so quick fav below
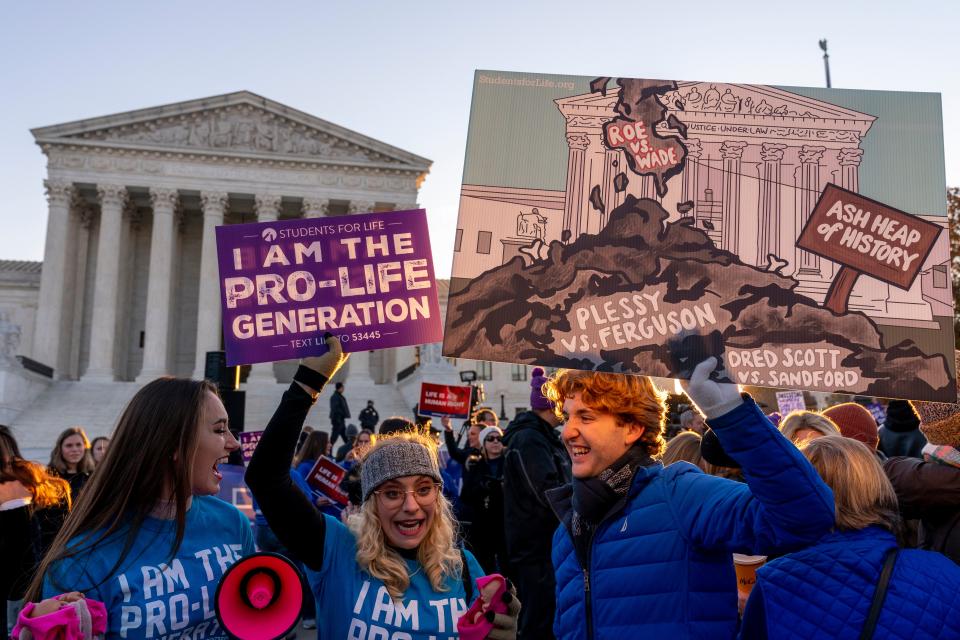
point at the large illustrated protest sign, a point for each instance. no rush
(367, 279)
(801, 228)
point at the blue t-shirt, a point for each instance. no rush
(148, 598)
(352, 605)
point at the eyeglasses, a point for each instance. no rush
(492, 439)
(425, 495)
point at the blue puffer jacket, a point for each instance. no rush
(660, 564)
(826, 591)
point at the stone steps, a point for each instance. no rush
(262, 400)
(95, 406)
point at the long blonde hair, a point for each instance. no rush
(862, 492)
(684, 446)
(797, 421)
(437, 554)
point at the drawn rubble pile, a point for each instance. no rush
(523, 311)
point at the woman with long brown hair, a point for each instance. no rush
(316, 444)
(71, 459)
(149, 538)
(395, 570)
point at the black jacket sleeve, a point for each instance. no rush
(456, 453)
(923, 487)
(18, 548)
(298, 526)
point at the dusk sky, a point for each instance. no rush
(403, 72)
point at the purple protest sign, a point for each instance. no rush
(367, 279)
(248, 443)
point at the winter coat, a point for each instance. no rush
(929, 492)
(338, 407)
(901, 443)
(481, 500)
(457, 454)
(660, 565)
(369, 418)
(535, 461)
(826, 591)
(900, 434)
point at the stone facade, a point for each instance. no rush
(129, 285)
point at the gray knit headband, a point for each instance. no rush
(395, 459)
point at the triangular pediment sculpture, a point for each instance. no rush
(240, 123)
(696, 99)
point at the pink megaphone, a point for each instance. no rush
(259, 597)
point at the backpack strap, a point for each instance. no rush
(465, 576)
(879, 595)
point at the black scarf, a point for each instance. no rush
(594, 497)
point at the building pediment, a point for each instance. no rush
(698, 101)
(241, 123)
(757, 100)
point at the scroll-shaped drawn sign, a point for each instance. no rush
(367, 279)
(866, 237)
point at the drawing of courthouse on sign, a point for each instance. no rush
(757, 160)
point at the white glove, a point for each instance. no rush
(713, 398)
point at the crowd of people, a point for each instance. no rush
(817, 524)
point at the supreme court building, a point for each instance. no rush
(129, 287)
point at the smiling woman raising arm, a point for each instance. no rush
(396, 569)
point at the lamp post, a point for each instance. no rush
(826, 60)
(503, 408)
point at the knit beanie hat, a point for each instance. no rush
(940, 421)
(901, 417)
(855, 422)
(394, 458)
(487, 431)
(537, 400)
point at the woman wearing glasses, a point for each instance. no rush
(481, 500)
(396, 571)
